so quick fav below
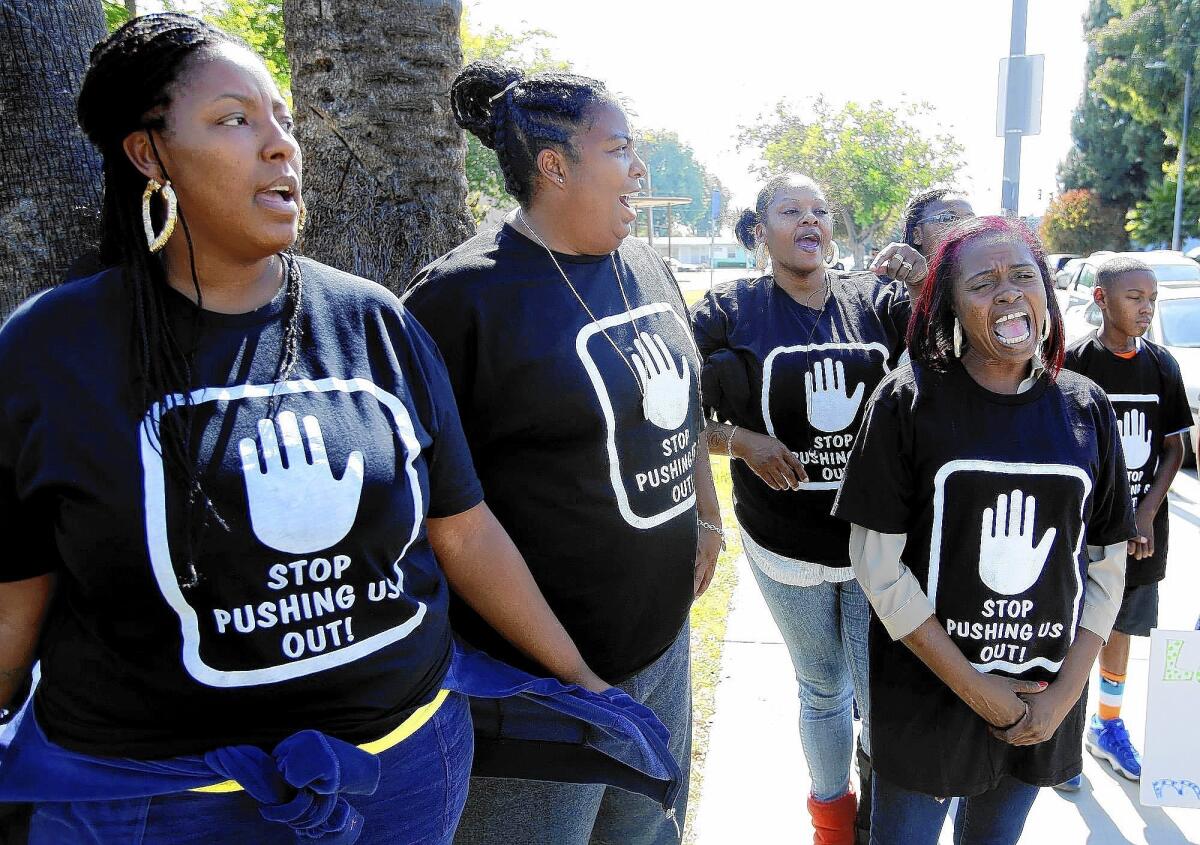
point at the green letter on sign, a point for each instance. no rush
(1170, 670)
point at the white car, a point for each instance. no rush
(1170, 268)
(678, 266)
(1176, 325)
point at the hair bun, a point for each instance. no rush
(473, 97)
(743, 229)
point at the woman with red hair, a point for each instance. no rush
(789, 359)
(989, 518)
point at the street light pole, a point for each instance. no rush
(1011, 184)
(1177, 229)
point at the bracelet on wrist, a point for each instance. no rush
(716, 529)
(729, 441)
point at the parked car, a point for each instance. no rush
(1170, 268)
(1062, 278)
(1056, 260)
(1176, 325)
(677, 266)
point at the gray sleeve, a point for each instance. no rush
(1105, 588)
(892, 589)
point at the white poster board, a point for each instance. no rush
(1171, 759)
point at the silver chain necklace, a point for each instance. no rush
(620, 285)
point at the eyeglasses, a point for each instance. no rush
(942, 217)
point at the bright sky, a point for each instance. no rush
(703, 68)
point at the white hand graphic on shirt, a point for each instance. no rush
(830, 408)
(666, 390)
(1009, 563)
(1135, 439)
(299, 508)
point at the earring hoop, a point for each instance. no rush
(155, 242)
(302, 220)
(958, 338)
(829, 255)
(1046, 328)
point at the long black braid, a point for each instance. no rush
(518, 116)
(129, 84)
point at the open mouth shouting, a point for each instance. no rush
(1013, 329)
(809, 242)
(627, 206)
(281, 195)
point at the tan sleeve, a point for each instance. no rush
(1105, 588)
(892, 589)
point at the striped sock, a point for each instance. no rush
(1112, 690)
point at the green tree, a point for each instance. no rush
(1079, 222)
(1132, 45)
(260, 24)
(116, 12)
(1152, 219)
(869, 158)
(1112, 153)
(527, 50)
(675, 171)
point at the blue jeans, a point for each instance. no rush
(825, 630)
(503, 811)
(422, 788)
(900, 816)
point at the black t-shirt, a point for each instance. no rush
(599, 498)
(320, 606)
(1000, 496)
(1147, 395)
(802, 375)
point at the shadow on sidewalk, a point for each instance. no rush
(1159, 829)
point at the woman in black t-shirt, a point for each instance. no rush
(241, 489)
(577, 379)
(789, 359)
(990, 513)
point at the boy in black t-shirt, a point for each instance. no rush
(1145, 386)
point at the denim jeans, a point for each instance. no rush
(503, 811)
(422, 788)
(825, 630)
(900, 816)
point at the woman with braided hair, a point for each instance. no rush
(789, 359)
(233, 468)
(569, 351)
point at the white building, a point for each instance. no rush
(721, 251)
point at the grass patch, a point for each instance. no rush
(708, 637)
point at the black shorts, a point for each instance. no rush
(1139, 611)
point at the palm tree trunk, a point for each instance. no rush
(384, 180)
(50, 178)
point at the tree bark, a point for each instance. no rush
(131, 7)
(50, 176)
(384, 180)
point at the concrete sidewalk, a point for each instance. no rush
(756, 780)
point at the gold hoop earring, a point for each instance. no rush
(958, 338)
(829, 255)
(302, 220)
(1046, 328)
(153, 241)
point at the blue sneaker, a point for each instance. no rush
(1071, 785)
(1108, 740)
